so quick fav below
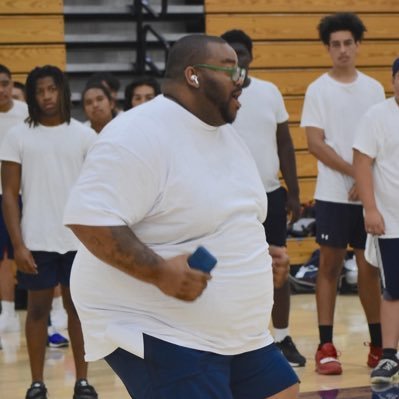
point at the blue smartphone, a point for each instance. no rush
(202, 259)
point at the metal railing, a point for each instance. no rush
(141, 10)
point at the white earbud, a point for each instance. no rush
(194, 78)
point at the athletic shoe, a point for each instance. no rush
(83, 390)
(57, 340)
(327, 360)
(386, 372)
(291, 353)
(36, 391)
(385, 391)
(9, 323)
(374, 355)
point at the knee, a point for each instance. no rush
(38, 312)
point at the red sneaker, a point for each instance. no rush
(327, 360)
(374, 356)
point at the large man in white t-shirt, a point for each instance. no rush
(42, 158)
(262, 122)
(376, 164)
(333, 106)
(163, 179)
(12, 112)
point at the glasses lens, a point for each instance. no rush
(239, 75)
(235, 74)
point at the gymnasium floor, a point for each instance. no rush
(350, 335)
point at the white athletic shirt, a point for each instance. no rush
(377, 136)
(336, 108)
(17, 114)
(51, 159)
(262, 109)
(177, 183)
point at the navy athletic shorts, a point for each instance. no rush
(339, 225)
(170, 371)
(276, 221)
(53, 269)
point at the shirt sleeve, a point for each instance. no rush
(311, 112)
(366, 135)
(10, 147)
(116, 187)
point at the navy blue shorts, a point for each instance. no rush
(53, 268)
(339, 225)
(388, 252)
(276, 221)
(170, 371)
(5, 241)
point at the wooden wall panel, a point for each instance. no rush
(294, 26)
(299, 6)
(312, 54)
(21, 59)
(31, 7)
(299, 249)
(28, 29)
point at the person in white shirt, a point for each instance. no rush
(376, 165)
(42, 159)
(12, 112)
(333, 105)
(163, 179)
(262, 122)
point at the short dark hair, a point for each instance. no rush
(105, 90)
(238, 36)
(62, 84)
(189, 50)
(5, 70)
(338, 22)
(143, 81)
(111, 80)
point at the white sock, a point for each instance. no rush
(8, 308)
(281, 333)
(57, 303)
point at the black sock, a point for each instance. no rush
(375, 334)
(325, 333)
(389, 353)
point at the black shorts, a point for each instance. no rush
(276, 221)
(339, 225)
(388, 252)
(53, 269)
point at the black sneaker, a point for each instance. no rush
(289, 350)
(386, 372)
(83, 390)
(36, 391)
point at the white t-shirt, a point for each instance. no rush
(377, 136)
(51, 159)
(262, 109)
(17, 114)
(177, 183)
(336, 108)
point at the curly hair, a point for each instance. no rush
(338, 22)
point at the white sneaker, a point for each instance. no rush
(9, 323)
(59, 319)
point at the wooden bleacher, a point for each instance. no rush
(288, 53)
(31, 34)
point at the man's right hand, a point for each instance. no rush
(24, 260)
(178, 280)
